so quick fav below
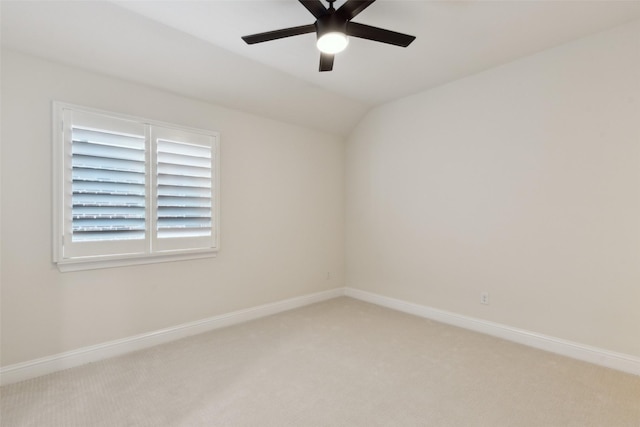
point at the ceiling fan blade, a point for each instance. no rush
(316, 7)
(351, 8)
(378, 34)
(279, 34)
(326, 61)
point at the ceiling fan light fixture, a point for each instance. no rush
(332, 27)
(332, 42)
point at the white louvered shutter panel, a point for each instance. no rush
(185, 193)
(105, 185)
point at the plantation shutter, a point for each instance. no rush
(105, 185)
(131, 191)
(184, 190)
(108, 201)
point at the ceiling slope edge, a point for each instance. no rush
(122, 44)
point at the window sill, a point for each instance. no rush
(102, 262)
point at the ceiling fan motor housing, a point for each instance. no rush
(330, 23)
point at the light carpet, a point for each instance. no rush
(341, 362)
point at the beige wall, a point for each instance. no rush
(523, 181)
(282, 215)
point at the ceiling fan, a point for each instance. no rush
(332, 28)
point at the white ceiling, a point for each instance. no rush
(194, 47)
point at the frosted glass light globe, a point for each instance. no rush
(332, 42)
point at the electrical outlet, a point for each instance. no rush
(484, 298)
(328, 275)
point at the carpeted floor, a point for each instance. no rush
(338, 363)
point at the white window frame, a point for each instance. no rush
(147, 250)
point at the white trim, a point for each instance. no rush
(89, 263)
(46, 365)
(597, 356)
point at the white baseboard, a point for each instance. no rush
(597, 356)
(46, 365)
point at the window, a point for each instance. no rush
(129, 190)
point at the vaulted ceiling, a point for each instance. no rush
(194, 47)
